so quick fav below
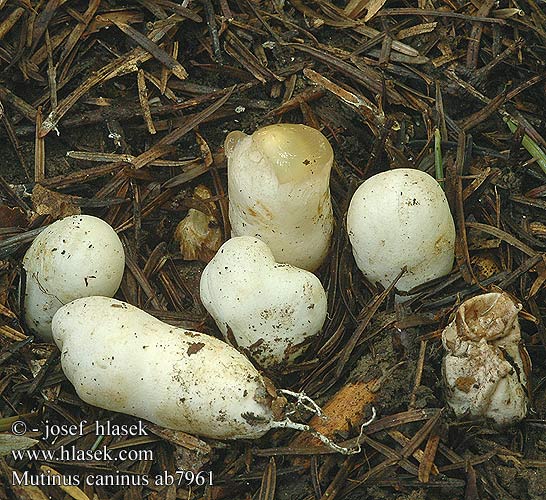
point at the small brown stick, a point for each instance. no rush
(175, 287)
(127, 158)
(51, 73)
(42, 21)
(394, 457)
(290, 86)
(426, 467)
(368, 109)
(10, 193)
(57, 39)
(385, 52)
(309, 12)
(503, 235)
(212, 162)
(476, 118)
(377, 36)
(418, 29)
(10, 245)
(144, 284)
(39, 150)
(418, 372)
(269, 481)
(380, 144)
(166, 72)
(237, 49)
(309, 117)
(403, 440)
(10, 20)
(421, 435)
(67, 180)
(118, 187)
(28, 111)
(335, 488)
(179, 9)
(144, 103)
(155, 50)
(476, 35)
(461, 246)
(265, 24)
(440, 110)
(213, 30)
(137, 216)
(308, 95)
(13, 139)
(478, 181)
(479, 75)
(77, 32)
(405, 11)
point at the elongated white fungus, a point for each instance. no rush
(397, 219)
(484, 368)
(123, 359)
(278, 184)
(75, 257)
(271, 309)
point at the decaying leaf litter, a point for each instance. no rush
(120, 110)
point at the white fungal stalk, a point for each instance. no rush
(278, 184)
(270, 309)
(484, 368)
(398, 219)
(75, 257)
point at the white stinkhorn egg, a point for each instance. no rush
(401, 218)
(78, 256)
(270, 309)
(485, 364)
(278, 185)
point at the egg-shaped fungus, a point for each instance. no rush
(401, 218)
(74, 257)
(271, 309)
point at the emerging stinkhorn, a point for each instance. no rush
(485, 368)
(278, 185)
(121, 358)
(398, 219)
